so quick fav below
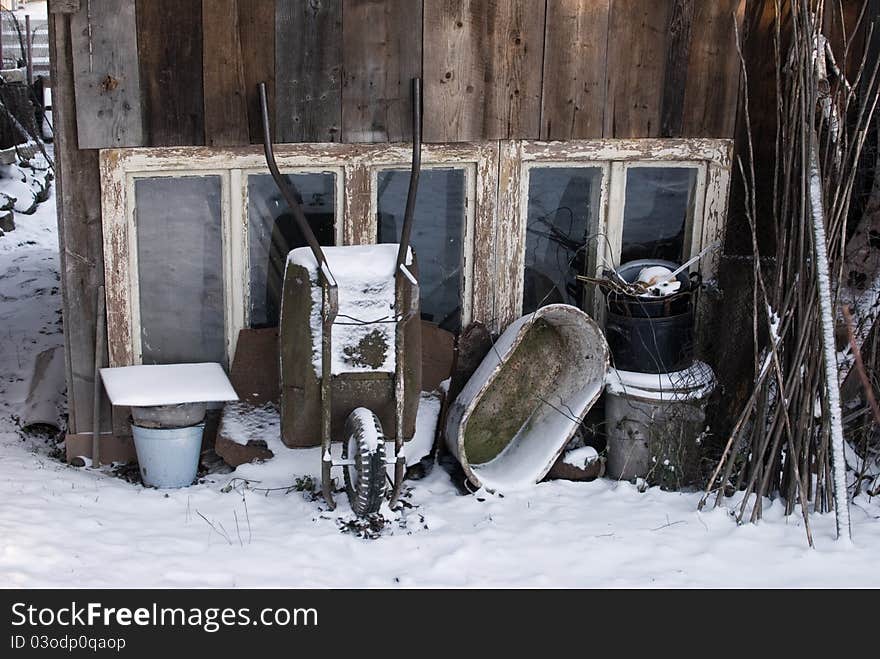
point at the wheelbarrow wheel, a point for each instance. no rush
(365, 444)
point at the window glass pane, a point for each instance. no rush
(180, 269)
(659, 202)
(272, 233)
(437, 236)
(563, 213)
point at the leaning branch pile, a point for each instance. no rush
(787, 441)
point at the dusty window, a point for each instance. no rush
(196, 238)
(272, 233)
(563, 213)
(438, 235)
(180, 269)
(658, 209)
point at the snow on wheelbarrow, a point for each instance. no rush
(527, 398)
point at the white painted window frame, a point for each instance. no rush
(355, 166)
(466, 283)
(497, 201)
(710, 157)
(240, 251)
(133, 267)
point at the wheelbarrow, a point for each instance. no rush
(351, 347)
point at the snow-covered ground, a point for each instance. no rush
(67, 526)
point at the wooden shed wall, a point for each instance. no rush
(185, 72)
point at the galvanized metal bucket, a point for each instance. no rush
(168, 457)
(654, 421)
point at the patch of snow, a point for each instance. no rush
(581, 457)
(242, 423)
(167, 384)
(692, 383)
(426, 429)
(774, 322)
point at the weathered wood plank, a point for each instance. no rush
(226, 116)
(637, 43)
(487, 226)
(482, 69)
(575, 51)
(64, 6)
(256, 24)
(106, 77)
(681, 22)
(170, 48)
(359, 222)
(308, 70)
(711, 95)
(509, 241)
(382, 51)
(79, 233)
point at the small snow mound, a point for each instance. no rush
(581, 457)
(243, 423)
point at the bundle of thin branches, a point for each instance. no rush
(787, 441)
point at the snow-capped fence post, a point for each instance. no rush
(829, 351)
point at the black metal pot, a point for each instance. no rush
(651, 345)
(648, 334)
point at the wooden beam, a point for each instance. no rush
(482, 69)
(225, 96)
(575, 51)
(79, 233)
(106, 76)
(170, 49)
(308, 71)
(382, 51)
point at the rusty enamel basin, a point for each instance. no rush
(527, 398)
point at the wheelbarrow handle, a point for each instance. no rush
(287, 188)
(416, 167)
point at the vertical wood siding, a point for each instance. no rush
(483, 68)
(225, 95)
(103, 36)
(636, 68)
(339, 70)
(170, 51)
(575, 51)
(378, 64)
(308, 70)
(256, 24)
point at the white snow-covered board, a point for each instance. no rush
(167, 384)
